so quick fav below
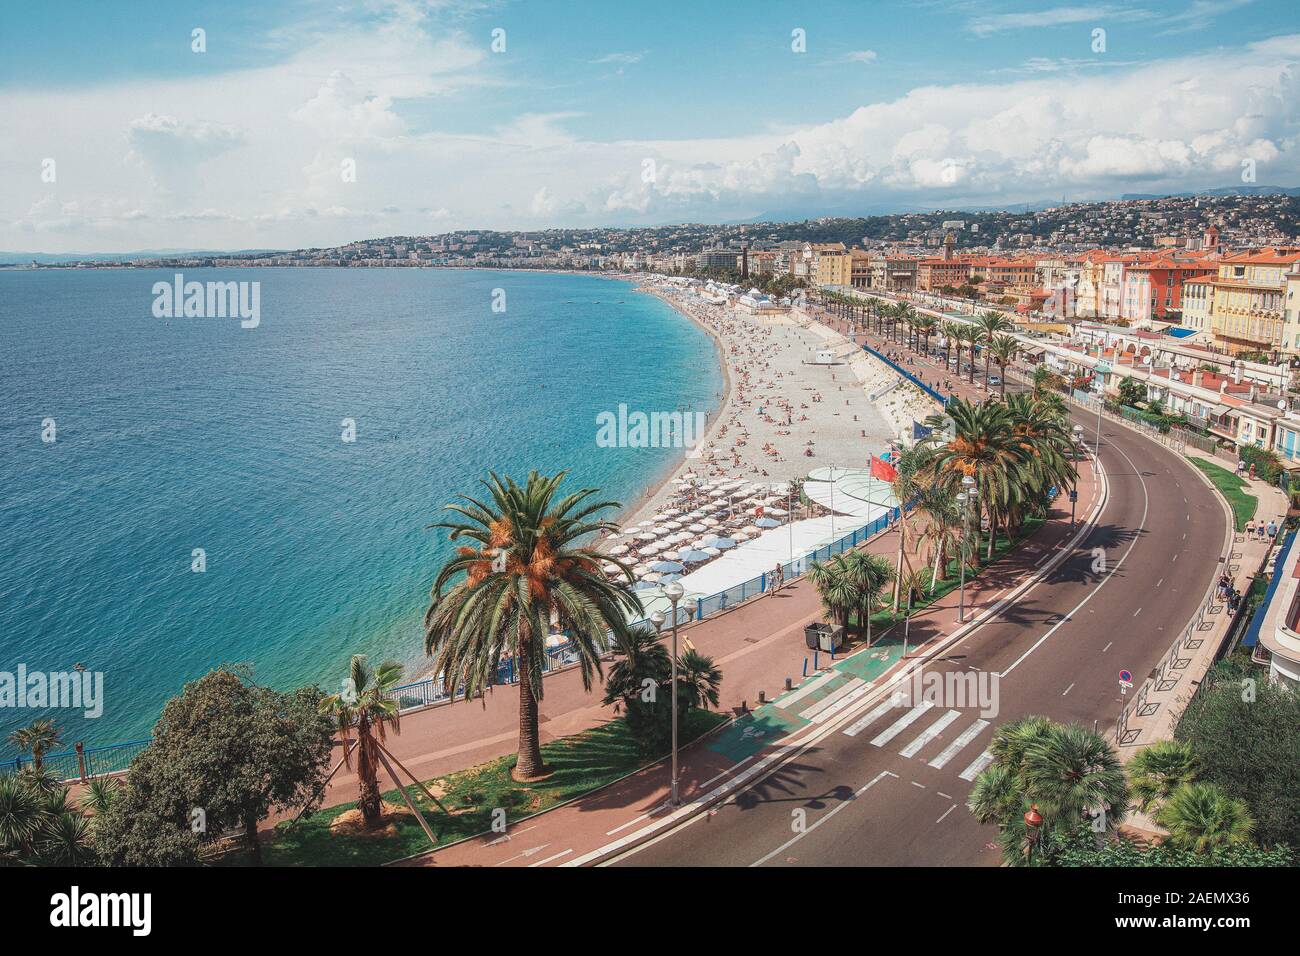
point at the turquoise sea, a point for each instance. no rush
(185, 433)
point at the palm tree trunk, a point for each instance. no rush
(529, 765)
(367, 775)
(1004, 380)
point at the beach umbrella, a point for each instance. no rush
(692, 556)
(724, 543)
(672, 525)
(711, 551)
(643, 586)
(779, 512)
(698, 527)
(646, 536)
(767, 523)
(741, 535)
(668, 567)
(556, 640)
(752, 530)
(667, 555)
(665, 579)
(618, 549)
(650, 576)
(653, 548)
(718, 493)
(711, 522)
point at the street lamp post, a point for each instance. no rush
(1074, 492)
(964, 498)
(1033, 820)
(674, 591)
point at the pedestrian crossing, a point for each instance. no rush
(919, 741)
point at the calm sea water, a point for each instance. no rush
(179, 434)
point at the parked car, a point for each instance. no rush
(995, 379)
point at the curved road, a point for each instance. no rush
(889, 787)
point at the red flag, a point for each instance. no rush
(882, 469)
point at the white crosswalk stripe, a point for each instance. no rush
(898, 726)
(956, 747)
(982, 761)
(860, 690)
(934, 730)
(863, 723)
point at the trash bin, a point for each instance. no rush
(823, 637)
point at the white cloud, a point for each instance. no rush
(254, 159)
(861, 56)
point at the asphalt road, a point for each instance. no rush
(894, 792)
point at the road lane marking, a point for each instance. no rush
(956, 747)
(1067, 690)
(934, 730)
(946, 812)
(858, 726)
(898, 726)
(946, 796)
(550, 859)
(1107, 647)
(982, 761)
(1137, 612)
(824, 817)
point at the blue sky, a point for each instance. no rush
(893, 105)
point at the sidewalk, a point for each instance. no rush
(568, 833)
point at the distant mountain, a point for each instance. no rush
(1222, 191)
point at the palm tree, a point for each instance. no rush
(1155, 772)
(1073, 772)
(698, 681)
(1004, 350)
(100, 794)
(985, 447)
(835, 587)
(988, 325)
(995, 795)
(527, 570)
(37, 738)
(20, 819)
(942, 529)
(953, 334)
(926, 325)
(366, 707)
(869, 575)
(1200, 817)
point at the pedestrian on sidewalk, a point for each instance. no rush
(1241, 465)
(1252, 471)
(1272, 529)
(1250, 529)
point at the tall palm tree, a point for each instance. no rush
(988, 325)
(985, 447)
(367, 709)
(528, 568)
(953, 334)
(995, 795)
(1155, 772)
(1004, 350)
(942, 528)
(1200, 817)
(38, 738)
(926, 326)
(868, 575)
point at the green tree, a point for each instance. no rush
(526, 570)
(225, 754)
(641, 670)
(1245, 734)
(1003, 349)
(1199, 816)
(38, 738)
(1155, 772)
(988, 326)
(366, 707)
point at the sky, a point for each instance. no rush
(309, 123)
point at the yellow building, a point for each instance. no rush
(1246, 310)
(834, 266)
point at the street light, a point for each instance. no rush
(962, 498)
(1074, 492)
(673, 592)
(1033, 820)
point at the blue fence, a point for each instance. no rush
(90, 762)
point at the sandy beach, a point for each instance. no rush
(782, 415)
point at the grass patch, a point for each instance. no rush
(579, 764)
(1232, 488)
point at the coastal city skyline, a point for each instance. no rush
(314, 124)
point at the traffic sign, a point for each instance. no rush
(1125, 682)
